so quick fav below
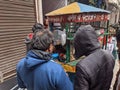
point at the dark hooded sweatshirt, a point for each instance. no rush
(95, 71)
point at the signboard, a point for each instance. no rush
(87, 17)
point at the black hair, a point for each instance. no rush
(118, 34)
(37, 27)
(45, 17)
(42, 40)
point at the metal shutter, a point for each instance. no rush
(16, 20)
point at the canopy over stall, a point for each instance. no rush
(77, 12)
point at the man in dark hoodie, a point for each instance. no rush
(37, 71)
(95, 71)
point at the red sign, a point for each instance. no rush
(79, 18)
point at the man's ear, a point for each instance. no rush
(51, 48)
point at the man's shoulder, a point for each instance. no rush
(20, 63)
(95, 59)
(54, 64)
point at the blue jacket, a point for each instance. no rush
(38, 72)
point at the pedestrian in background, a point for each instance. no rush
(46, 22)
(95, 71)
(37, 71)
(35, 28)
(117, 82)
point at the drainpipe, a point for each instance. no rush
(66, 2)
(39, 12)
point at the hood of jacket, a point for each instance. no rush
(36, 57)
(85, 41)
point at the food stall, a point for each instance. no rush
(81, 14)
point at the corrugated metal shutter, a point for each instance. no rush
(16, 20)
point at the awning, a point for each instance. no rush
(78, 12)
(75, 8)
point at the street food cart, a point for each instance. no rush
(80, 14)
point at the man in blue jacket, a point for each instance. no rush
(37, 71)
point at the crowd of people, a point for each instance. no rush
(38, 71)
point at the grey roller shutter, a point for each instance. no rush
(16, 20)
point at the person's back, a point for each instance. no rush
(98, 68)
(44, 75)
(95, 71)
(37, 71)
